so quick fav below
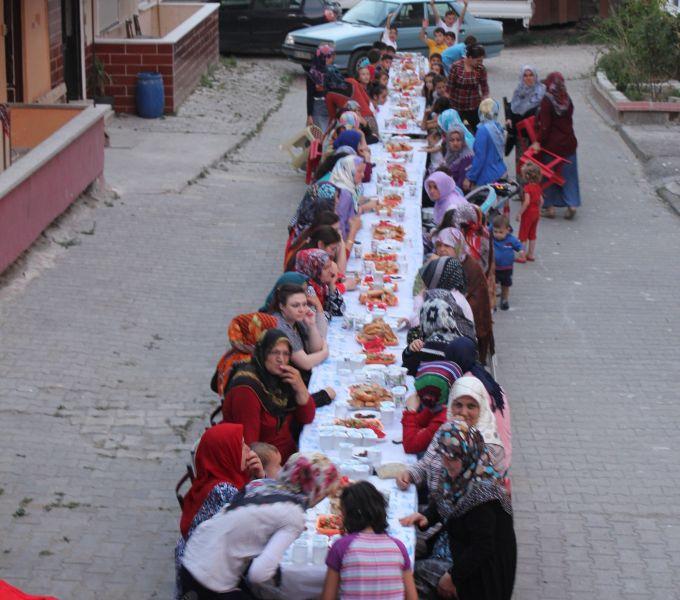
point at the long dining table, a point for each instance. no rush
(303, 567)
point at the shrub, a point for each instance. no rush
(642, 46)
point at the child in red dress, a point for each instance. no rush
(530, 211)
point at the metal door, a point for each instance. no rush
(70, 39)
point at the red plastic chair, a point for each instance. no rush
(550, 169)
(313, 160)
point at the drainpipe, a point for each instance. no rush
(94, 46)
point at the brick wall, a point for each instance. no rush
(124, 61)
(56, 56)
(193, 53)
(181, 64)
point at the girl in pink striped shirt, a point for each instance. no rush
(367, 563)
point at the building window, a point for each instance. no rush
(108, 13)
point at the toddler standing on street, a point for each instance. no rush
(530, 211)
(504, 246)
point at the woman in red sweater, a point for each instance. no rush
(426, 410)
(266, 394)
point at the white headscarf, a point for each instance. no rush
(342, 176)
(486, 424)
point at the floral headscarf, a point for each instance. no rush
(433, 383)
(349, 120)
(478, 482)
(304, 479)
(311, 262)
(317, 71)
(526, 98)
(462, 312)
(444, 273)
(243, 333)
(453, 238)
(318, 198)
(556, 92)
(438, 321)
(450, 119)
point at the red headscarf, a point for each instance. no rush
(218, 460)
(556, 92)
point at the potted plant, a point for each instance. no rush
(99, 79)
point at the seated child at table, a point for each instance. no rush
(269, 456)
(426, 409)
(367, 562)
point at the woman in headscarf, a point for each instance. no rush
(250, 536)
(242, 333)
(441, 319)
(287, 278)
(319, 197)
(446, 275)
(346, 177)
(489, 148)
(349, 138)
(444, 192)
(306, 332)
(524, 104)
(266, 394)
(322, 273)
(450, 119)
(450, 242)
(477, 516)
(224, 465)
(325, 168)
(426, 409)
(463, 352)
(470, 402)
(458, 156)
(556, 134)
(322, 237)
(316, 76)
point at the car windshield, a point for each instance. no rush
(370, 12)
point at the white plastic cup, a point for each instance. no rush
(299, 555)
(345, 450)
(387, 415)
(357, 249)
(374, 456)
(399, 395)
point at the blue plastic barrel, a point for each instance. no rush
(150, 95)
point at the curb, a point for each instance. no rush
(668, 197)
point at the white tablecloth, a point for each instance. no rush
(302, 581)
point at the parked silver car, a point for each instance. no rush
(364, 24)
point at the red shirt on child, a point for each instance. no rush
(529, 221)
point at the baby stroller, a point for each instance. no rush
(494, 198)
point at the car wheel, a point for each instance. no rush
(354, 60)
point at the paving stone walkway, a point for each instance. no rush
(105, 359)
